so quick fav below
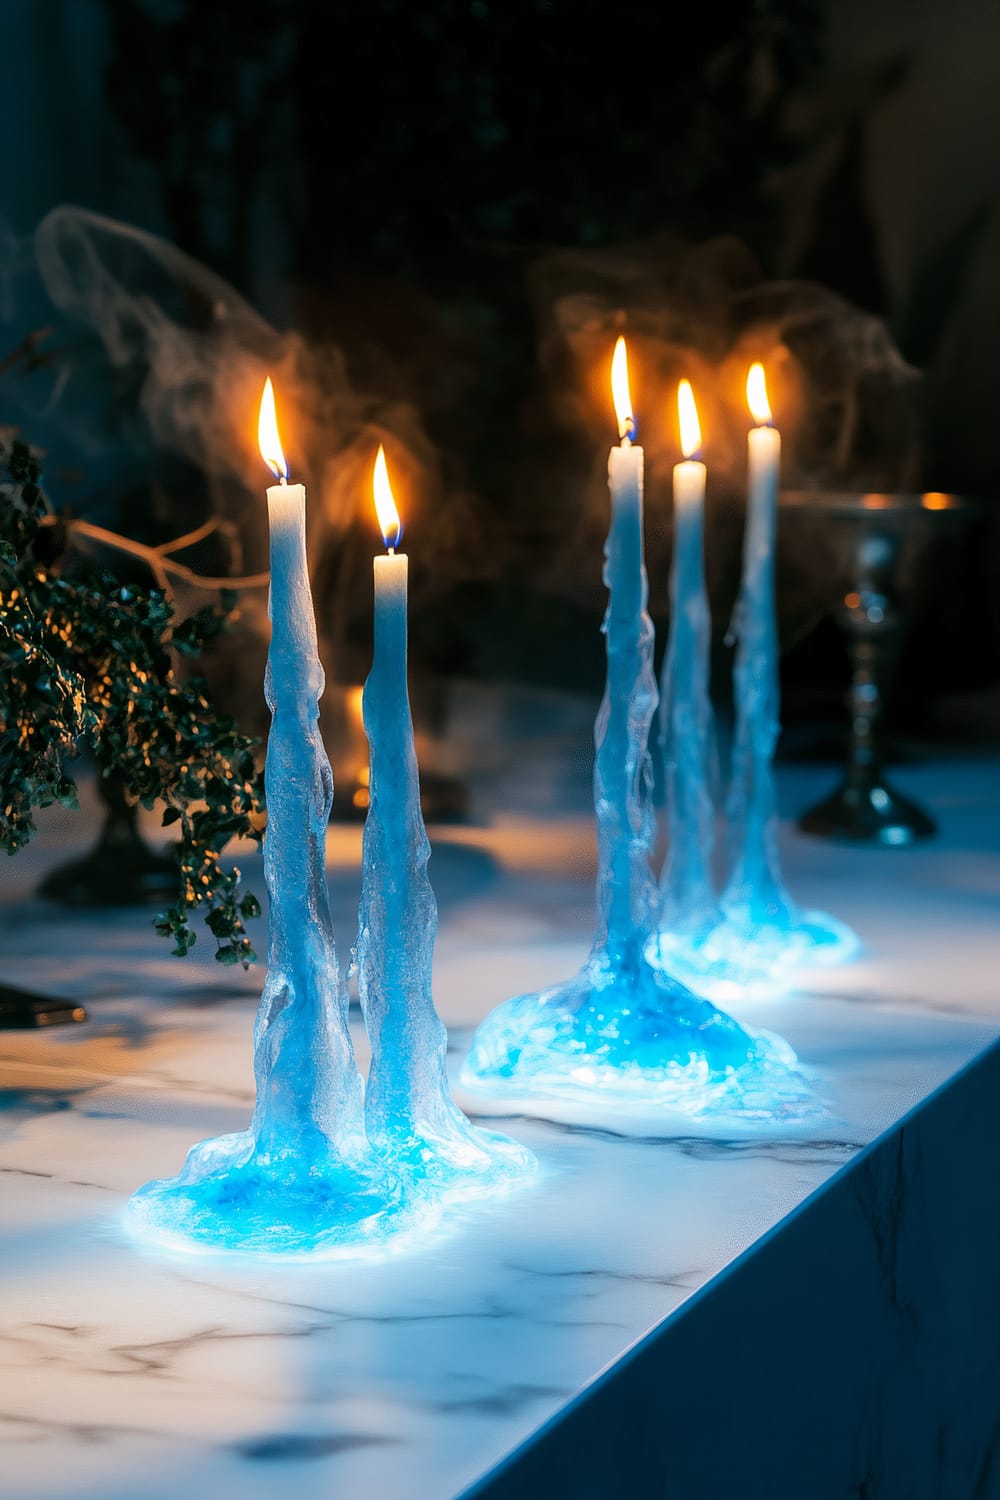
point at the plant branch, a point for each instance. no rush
(190, 537)
(159, 560)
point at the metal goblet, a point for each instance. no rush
(882, 540)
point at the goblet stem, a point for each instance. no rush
(871, 626)
(865, 807)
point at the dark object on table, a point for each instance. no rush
(443, 799)
(121, 870)
(20, 1010)
(883, 538)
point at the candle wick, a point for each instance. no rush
(282, 479)
(392, 552)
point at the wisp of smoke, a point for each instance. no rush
(175, 359)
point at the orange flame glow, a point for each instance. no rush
(385, 505)
(760, 407)
(620, 391)
(687, 414)
(267, 434)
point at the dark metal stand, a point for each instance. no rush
(121, 870)
(882, 536)
(865, 806)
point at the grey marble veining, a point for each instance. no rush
(130, 1375)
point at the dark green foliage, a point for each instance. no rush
(87, 664)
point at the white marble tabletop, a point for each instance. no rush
(126, 1374)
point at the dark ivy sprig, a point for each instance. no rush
(88, 664)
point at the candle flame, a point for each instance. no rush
(620, 391)
(687, 413)
(760, 407)
(385, 505)
(267, 434)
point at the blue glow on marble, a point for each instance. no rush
(412, 1120)
(303, 1178)
(622, 1028)
(748, 959)
(641, 1039)
(232, 1200)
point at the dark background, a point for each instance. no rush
(443, 213)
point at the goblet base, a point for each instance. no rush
(874, 813)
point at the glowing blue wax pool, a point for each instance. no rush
(623, 1028)
(411, 1117)
(762, 936)
(302, 1180)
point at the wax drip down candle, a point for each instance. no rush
(411, 1117)
(302, 1181)
(762, 937)
(624, 1032)
(689, 906)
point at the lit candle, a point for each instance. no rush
(762, 934)
(622, 771)
(623, 573)
(293, 626)
(763, 466)
(755, 884)
(391, 585)
(398, 918)
(689, 476)
(409, 1112)
(625, 1024)
(303, 1177)
(308, 1084)
(686, 718)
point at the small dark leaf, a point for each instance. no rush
(219, 922)
(66, 792)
